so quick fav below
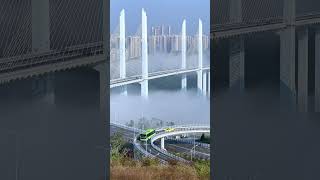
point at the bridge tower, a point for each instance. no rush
(317, 69)
(123, 49)
(236, 49)
(40, 44)
(144, 49)
(200, 62)
(183, 55)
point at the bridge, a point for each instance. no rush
(295, 23)
(144, 76)
(131, 134)
(179, 130)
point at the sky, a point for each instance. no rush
(166, 12)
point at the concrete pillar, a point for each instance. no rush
(40, 26)
(317, 69)
(162, 144)
(122, 50)
(204, 90)
(122, 45)
(209, 83)
(237, 63)
(303, 36)
(103, 91)
(287, 67)
(183, 55)
(200, 53)
(104, 102)
(50, 95)
(144, 48)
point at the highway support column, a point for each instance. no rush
(162, 144)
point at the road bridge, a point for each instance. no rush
(295, 23)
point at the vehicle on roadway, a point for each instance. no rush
(148, 134)
(169, 129)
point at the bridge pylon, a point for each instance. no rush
(122, 49)
(144, 49)
(183, 55)
(200, 61)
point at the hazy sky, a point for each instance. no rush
(167, 12)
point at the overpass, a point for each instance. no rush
(179, 130)
(153, 151)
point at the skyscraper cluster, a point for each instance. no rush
(160, 40)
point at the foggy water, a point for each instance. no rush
(166, 102)
(256, 135)
(45, 137)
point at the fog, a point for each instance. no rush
(170, 106)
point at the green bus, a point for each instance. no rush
(148, 134)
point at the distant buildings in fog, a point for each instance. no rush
(160, 40)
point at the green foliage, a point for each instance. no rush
(204, 139)
(202, 168)
(117, 143)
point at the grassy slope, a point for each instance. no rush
(123, 167)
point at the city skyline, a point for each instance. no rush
(161, 39)
(162, 12)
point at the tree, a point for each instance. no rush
(202, 138)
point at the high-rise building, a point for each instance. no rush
(134, 46)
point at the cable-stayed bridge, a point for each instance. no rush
(293, 23)
(39, 37)
(124, 71)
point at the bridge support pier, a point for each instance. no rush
(162, 144)
(287, 67)
(199, 80)
(184, 82)
(204, 90)
(209, 83)
(237, 63)
(43, 86)
(103, 92)
(302, 98)
(145, 89)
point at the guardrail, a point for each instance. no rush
(188, 141)
(182, 130)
